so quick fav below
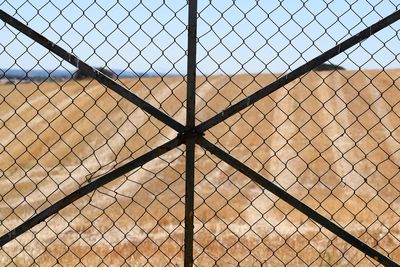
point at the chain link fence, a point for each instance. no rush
(328, 134)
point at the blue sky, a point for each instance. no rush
(234, 36)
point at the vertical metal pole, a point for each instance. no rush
(189, 203)
(191, 64)
(190, 140)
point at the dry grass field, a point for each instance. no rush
(332, 139)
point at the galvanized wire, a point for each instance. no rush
(289, 162)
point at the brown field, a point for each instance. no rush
(332, 139)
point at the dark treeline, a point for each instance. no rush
(18, 75)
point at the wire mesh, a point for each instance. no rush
(61, 130)
(330, 138)
(333, 155)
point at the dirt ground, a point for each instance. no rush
(331, 139)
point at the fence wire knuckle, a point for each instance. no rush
(199, 133)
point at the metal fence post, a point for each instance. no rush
(285, 157)
(190, 140)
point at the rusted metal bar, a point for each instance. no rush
(190, 140)
(189, 202)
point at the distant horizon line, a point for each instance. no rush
(14, 73)
(19, 73)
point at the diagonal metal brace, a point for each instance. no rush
(300, 206)
(92, 72)
(59, 205)
(189, 134)
(232, 110)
